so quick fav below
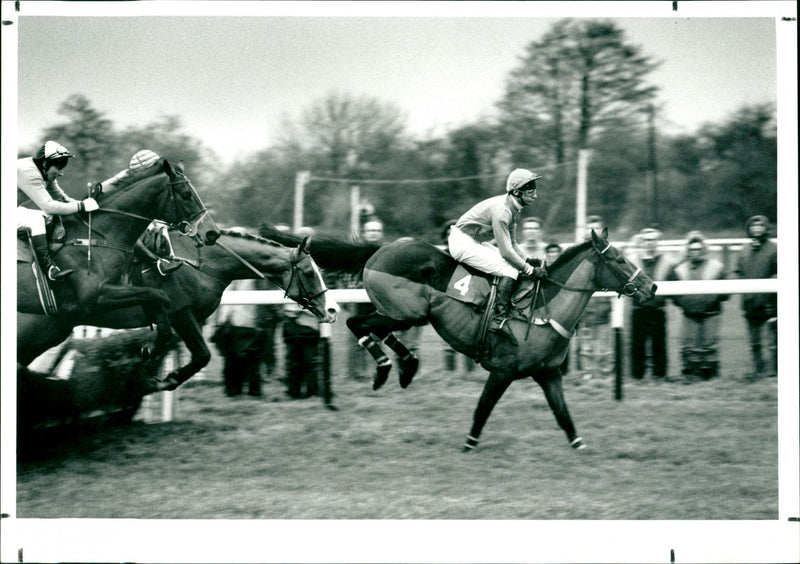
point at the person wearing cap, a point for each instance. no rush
(758, 259)
(496, 219)
(700, 311)
(649, 320)
(37, 183)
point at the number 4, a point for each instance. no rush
(462, 285)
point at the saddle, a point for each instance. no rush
(472, 286)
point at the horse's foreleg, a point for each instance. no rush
(408, 361)
(550, 381)
(190, 331)
(359, 325)
(496, 385)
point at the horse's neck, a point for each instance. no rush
(266, 258)
(567, 306)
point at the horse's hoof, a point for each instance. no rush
(470, 444)
(577, 444)
(381, 376)
(331, 407)
(408, 368)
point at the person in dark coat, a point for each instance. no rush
(649, 320)
(758, 259)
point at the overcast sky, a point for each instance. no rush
(232, 78)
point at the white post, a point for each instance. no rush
(584, 155)
(355, 210)
(300, 181)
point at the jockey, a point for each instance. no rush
(495, 219)
(37, 181)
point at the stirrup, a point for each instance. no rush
(170, 266)
(55, 274)
(498, 323)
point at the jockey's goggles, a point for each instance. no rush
(59, 162)
(528, 186)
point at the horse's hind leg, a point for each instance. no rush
(360, 327)
(496, 385)
(408, 360)
(550, 381)
(364, 327)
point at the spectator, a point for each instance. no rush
(531, 240)
(758, 259)
(302, 338)
(649, 320)
(241, 343)
(701, 320)
(551, 252)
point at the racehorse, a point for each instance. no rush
(196, 289)
(411, 283)
(99, 246)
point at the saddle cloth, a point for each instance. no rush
(472, 286)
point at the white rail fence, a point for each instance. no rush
(167, 400)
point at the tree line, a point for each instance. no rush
(581, 86)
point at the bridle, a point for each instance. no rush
(305, 296)
(628, 287)
(187, 227)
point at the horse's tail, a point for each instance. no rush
(329, 253)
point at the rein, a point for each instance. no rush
(186, 227)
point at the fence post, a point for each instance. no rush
(617, 319)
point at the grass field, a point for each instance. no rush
(668, 451)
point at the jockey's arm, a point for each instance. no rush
(506, 245)
(55, 191)
(37, 191)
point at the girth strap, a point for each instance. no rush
(97, 243)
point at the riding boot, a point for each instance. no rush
(42, 251)
(502, 304)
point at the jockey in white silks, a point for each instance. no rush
(37, 182)
(495, 219)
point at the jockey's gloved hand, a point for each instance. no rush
(534, 261)
(537, 273)
(89, 205)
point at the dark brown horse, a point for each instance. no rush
(412, 283)
(99, 247)
(195, 291)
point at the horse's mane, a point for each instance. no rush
(328, 252)
(569, 254)
(250, 237)
(565, 261)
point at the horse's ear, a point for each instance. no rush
(167, 167)
(604, 234)
(596, 241)
(304, 244)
